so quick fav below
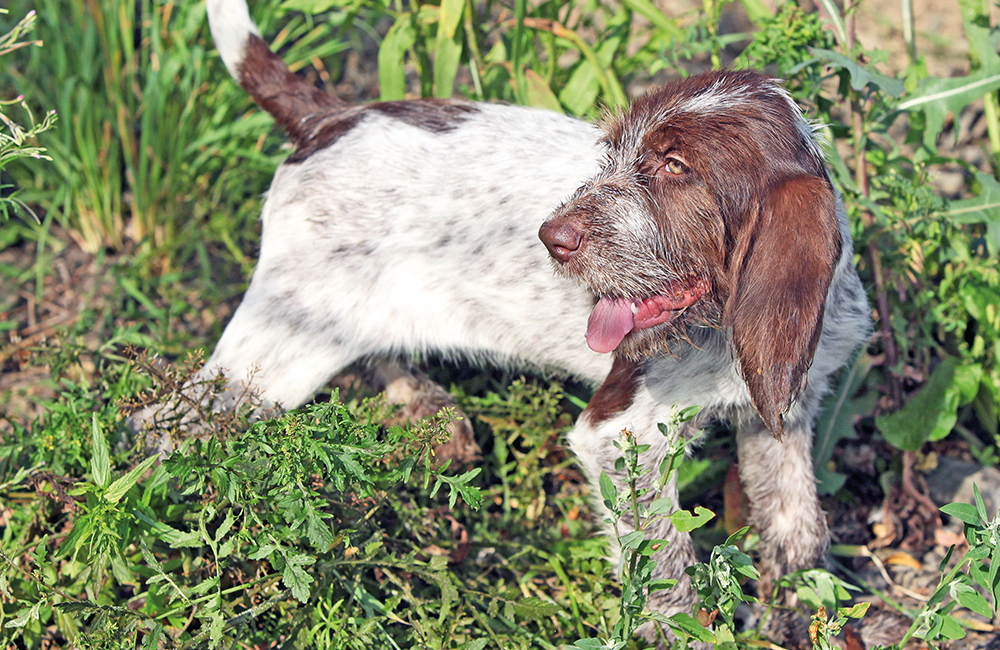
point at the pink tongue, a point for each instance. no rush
(610, 321)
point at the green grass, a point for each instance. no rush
(319, 530)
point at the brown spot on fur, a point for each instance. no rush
(434, 115)
(322, 130)
(313, 119)
(617, 392)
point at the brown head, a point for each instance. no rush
(713, 207)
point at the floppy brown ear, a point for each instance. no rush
(781, 269)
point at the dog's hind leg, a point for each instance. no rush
(281, 348)
(419, 398)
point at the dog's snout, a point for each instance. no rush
(562, 238)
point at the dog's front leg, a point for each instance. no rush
(780, 484)
(624, 403)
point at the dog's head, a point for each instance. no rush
(713, 207)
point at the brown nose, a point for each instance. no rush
(561, 238)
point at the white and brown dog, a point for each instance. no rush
(710, 252)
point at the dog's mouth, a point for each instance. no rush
(614, 318)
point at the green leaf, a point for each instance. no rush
(661, 584)
(832, 12)
(965, 512)
(205, 586)
(982, 208)
(660, 507)
(980, 506)
(688, 413)
(450, 17)
(857, 611)
(448, 49)
(159, 478)
(296, 579)
(100, 462)
(392, 57)
(449, 594)
(970, 599)
(580, 92)
(264, 551)
(861, 76)
(836, 422)
(172, 536)
(153, 636)
(24, 615)
(932, 412)
(539, 93)
(631, 540)
(458, 485)
(735, 537)
(650, 12)
(608, 490)
(937, 96)
(123, 574)
(119, 488)
(650, 546)
(689, 624)
(533, 608)
(312, 6)
(994, 584)
(951, 629)
(685, 522)
(217, 623)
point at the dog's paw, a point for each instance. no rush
(162, 427)
(420, 398)
(788, 628)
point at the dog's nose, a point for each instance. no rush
(561, 238)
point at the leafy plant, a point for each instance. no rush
(958, 586)
(716, 583)
(15, 144)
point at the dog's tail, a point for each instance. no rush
(262, 73)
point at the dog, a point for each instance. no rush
(696, 237)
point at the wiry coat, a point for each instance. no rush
(705, 210)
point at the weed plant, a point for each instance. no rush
(315, 527)
(17, 142)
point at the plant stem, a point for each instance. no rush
(712, 9)
(31, 576)
(856, 107)
(991, 109)
(908, 30)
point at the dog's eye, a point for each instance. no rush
(675, 167)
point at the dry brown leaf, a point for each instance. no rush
(948, 537)
(902, 558)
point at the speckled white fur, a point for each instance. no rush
(398, 240)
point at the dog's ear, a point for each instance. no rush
(780, 270)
